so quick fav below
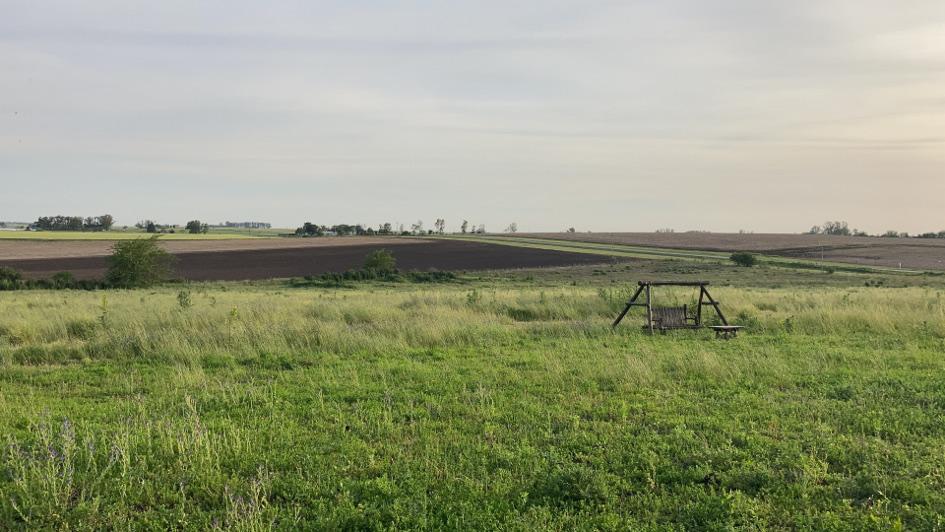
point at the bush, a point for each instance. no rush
(63, 280)
(743, 258)
(138, 263)
(339, 280)
(380, 261)
(9, 274)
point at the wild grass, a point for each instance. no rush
(468, 407)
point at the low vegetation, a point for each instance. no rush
(138, 264)
(744, 259)
(482, 405)
(379, 265)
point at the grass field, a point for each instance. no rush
(502, 402)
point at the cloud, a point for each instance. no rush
(339, 111)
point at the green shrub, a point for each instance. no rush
(380, 260)
(183, 299)
(743, 258)
(10, 279)
(63, 280)
(138, 263)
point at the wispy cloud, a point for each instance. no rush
(485, 110)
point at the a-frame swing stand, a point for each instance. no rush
(666, 318)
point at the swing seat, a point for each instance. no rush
(666, 318)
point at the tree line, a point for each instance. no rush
(841, 228)
(309, 229)
(74, 223)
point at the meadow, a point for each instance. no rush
(493, 403)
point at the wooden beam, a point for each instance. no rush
(715, 305)
(673, 283)
(630, 303)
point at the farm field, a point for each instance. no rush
(125, 235)
(502, 401)
(281, 258)
(678, 254)
(22, 249)
(912, 253)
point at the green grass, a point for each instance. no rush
(494, 404)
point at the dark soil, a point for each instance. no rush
(299, 262)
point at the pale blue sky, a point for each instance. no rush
(722, 115)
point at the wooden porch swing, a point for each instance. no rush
(668, 318)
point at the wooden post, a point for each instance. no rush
(649, 309)
(699, 306)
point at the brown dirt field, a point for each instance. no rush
(298, 261)
(913, 253)
(53, 249)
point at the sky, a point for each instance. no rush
(763, 116)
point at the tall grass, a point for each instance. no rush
(57, 326)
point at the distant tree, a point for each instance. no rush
(481, 229)
(385, 229)
(417, 228)
(106, 221)
(836, 228)
(195, 227)
(814, 230)
(310, 229)
(571, 230)
(512, 228)
(743, 258)
(440, 226)
(138, 262)
(666, 230)
(463, 227)
(151, 227)
(74, 223)
(380, 261)
(892, 233)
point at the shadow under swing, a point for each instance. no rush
(679, 317)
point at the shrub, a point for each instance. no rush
(9, 274)
(63, 280)
(183, 299)
(138, 263)
(743, 258)
(380, 261)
